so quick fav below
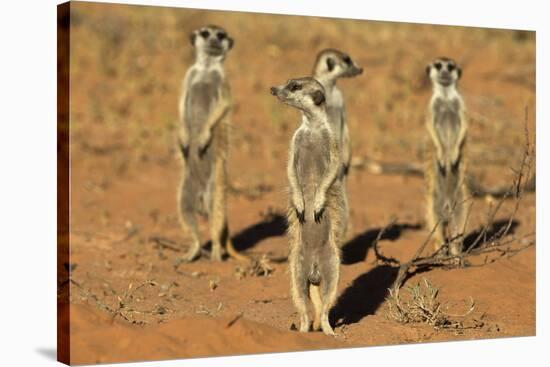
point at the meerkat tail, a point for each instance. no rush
(315, 296)
(232, 252)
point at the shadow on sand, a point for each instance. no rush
(272, 226)
(494, 230)
(363, 297)
(356, 250)
(369, 290)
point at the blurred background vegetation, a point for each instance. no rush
(127, 63)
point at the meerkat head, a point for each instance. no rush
(443, 71)
(306, 94)
(211, 40)
(335, 64)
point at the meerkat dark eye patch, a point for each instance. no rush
(330, 64)
(205, 34)
(294, 87)
(221, 35)
(318, 97)
(438, 65)
(347, 59)
(451, 67)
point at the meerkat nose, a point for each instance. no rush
(360, 70)
(274, 91)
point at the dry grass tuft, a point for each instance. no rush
(258, 268)
(421, 305)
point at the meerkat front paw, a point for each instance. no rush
(301, 216)
(345, 169)
(319, 207)
(442, 167)
(299, 205)
(204, 142)
(184, 149)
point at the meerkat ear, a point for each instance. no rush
(318, 97)
(192, 37)
(231, 42)
(459, 71)
(428, 69)
(330, 63)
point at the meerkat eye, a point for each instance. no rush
(221, 35)
(347, 59)
(450, 67)
(438, 65)
(294, 87)
(205, 34)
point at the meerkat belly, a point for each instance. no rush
(311, 168)
(202, 97)
(199, 175)
(447, 123)
(448, 196)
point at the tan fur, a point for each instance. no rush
(445, 165)
(441, 233)
(205, 153)
(330, 66)
(316, 212)
(335, 206)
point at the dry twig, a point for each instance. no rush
(493, 245)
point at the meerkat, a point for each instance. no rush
(316, 218)
(204, 116)
(330, 65)
(446, 164)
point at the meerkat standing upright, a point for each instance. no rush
(316, 209)
(204, 110)
(330, 65)
(446, 164)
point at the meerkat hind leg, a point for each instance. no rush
(315, 296)
(329, 289)
(217, 214)
(348, 225)
(458, 227)
(299, 295)
(435, 218)
(217, 227)
(189, 224)
(232, 251)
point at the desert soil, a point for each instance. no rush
(131, 299)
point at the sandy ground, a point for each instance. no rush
(131, 300)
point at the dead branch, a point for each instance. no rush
(492, 246)
(377, 253)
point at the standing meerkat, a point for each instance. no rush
(316, 215)
(204, 117)
(446, 164)
(331, 65)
